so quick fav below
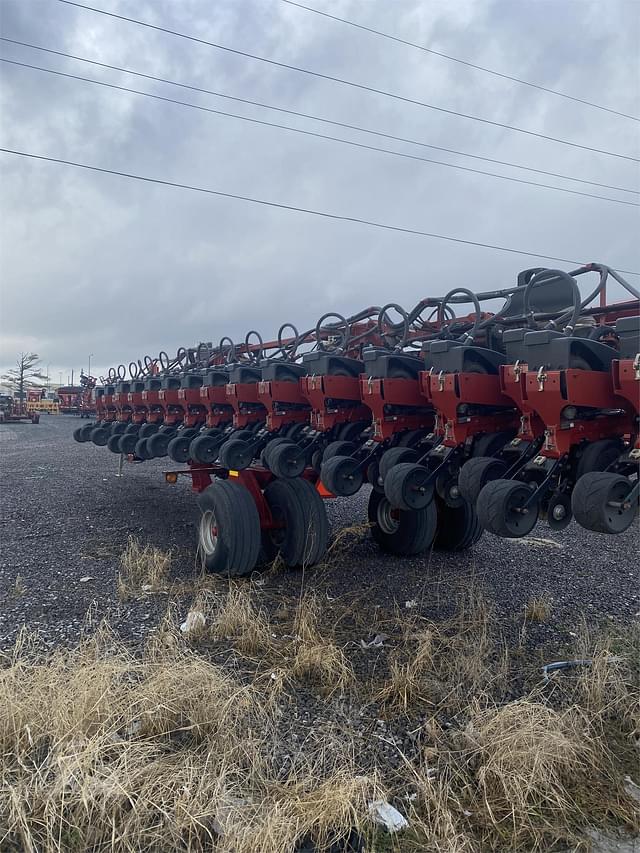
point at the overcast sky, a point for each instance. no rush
(104, 265)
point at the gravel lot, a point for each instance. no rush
(65, 517)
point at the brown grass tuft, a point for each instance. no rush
(143, 568)
(538, 609)
(441, 665)
(540, 773)
(316, 657)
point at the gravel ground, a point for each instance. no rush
(65, 517)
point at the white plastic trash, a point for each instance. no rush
(384, 814)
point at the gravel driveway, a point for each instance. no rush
(65, 517)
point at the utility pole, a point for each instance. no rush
(90, 354)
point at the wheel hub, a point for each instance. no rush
(208, 532)
(387, 517)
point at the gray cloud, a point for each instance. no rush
(92, 263)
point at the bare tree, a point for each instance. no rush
(24, 375)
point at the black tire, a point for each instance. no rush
(147, 430)
(458, 527)
(287, 460)
(598, 455)
(338, 448)
(132, 428)
(400, 532)
(265, 456)
(407, 486)
(491, 443)
(100, 436)
(591, 498)
(342, 475)
(114, 443)
(476, 473)
(79, 435)
(205, 448)
(236, 454)
(85, 431)
(178, 448)
(117, 428)
(373, 476)
(302, 541)
(496, 508)
(394, 456)
(141, 450)
(229, 530)
(351, 431)
(158, 444)
(127, 442)
(411, 437)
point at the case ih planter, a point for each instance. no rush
(458, 423)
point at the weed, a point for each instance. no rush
(143, 568)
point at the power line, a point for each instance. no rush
(321, 119)
(309, 211)
(461, 61)
(351, 83)
(313, 133)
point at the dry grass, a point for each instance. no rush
(317, 658)
(143, 568)
(168, 751)
(538, 609)
(540, 774)
(18, 587)
(100, 750)
(233, 616)
(442, 665)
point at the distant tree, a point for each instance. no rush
(24, 375)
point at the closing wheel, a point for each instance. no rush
(458, 527)
(287, 460)
(178, 447)
(559, 512)
(476, 473)
(490, 443)
(398, 531)
(127, 442)
(394, 456)
(100, 436)
(229, 530)
(598, 455)
(342, 475)
(265, 456)
(147, 430)
(204, 449)
(85, 431)
(338, 448)
(351, 431)
(141, 450)
(117, 428)
(407, 486)
(373, 476)
(158, 444)
(113, 444)
(236, 454)
(298, 509)
(501, 509)
(448, 489)
(600, 502)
